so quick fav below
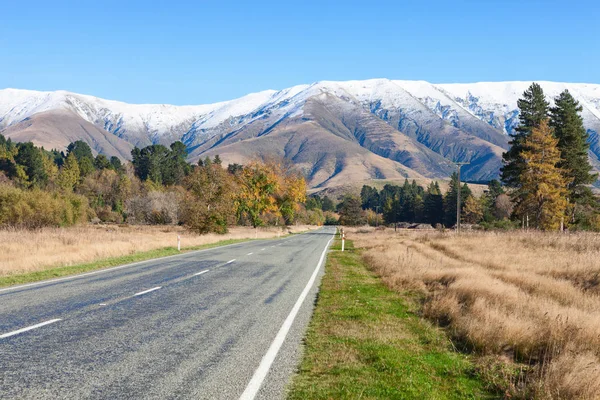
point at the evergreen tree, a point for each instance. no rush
(351, 212)
(30, 157)
(369, 197)
(101, 162)
(115, 162)
(542, 196)
(572, 137)
(533, 108)
(433, 205)
(327, 204)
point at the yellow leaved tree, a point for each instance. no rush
(542, 195)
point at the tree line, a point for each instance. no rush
(54, 188)
(545, 181)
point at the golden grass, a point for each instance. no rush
(531, 299)
(23, 251)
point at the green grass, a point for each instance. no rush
(57, 272)
(366, 341)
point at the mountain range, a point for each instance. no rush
(335, 132)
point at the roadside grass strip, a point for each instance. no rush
(58, 272)
(366, 341)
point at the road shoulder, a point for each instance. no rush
(366, 341)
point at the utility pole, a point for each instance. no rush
(458, 165)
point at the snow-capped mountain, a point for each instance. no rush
(376, 128)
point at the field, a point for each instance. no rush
(366, 341)
(527, 304)
(26, 251)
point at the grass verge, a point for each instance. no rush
(57, 272)
(366, 341)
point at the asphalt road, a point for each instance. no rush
(214, 324)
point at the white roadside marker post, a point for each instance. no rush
(178, 243)
(343, 240)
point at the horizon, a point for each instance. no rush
(189, 53)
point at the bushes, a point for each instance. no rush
(155, 208)
(36, 208)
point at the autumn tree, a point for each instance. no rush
(208, 205)
(257, 187)
(473, 211)
(542, 195)
(69, 174)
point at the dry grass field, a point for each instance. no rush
(24, 251)
(526, 303)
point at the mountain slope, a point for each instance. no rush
(376, 128)
(57, 128)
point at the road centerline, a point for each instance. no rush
(201, 272)
(147, 291)
(249, 254)
(18, 331)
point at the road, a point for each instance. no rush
(224, 323)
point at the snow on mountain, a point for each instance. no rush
(467, 122)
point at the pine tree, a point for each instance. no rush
(572, 143)
(533, 108)
(433, 204)
(543, 190)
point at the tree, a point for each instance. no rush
(257, 186)
(503, 207)
(327, 204)
(85, 159)
(433, 205)
(542, 195)
(209, 203)
(473, 211)
(101, 162)
(572, 138)
(533, 109)
(369, 197)
(115, 162)
(31, 158)
(69, 174)
(351, 212)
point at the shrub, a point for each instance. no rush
(36, 208)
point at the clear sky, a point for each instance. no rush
(205, 51)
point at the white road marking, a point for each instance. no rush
(147, 291)
(249, 254)
(263, 369)
(262, 249)
(102, 304)
(230, 261)
(28, 328)
(201, 272)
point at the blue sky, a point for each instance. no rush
(200, 52)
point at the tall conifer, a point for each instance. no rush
(533, 108)
(572, 143)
